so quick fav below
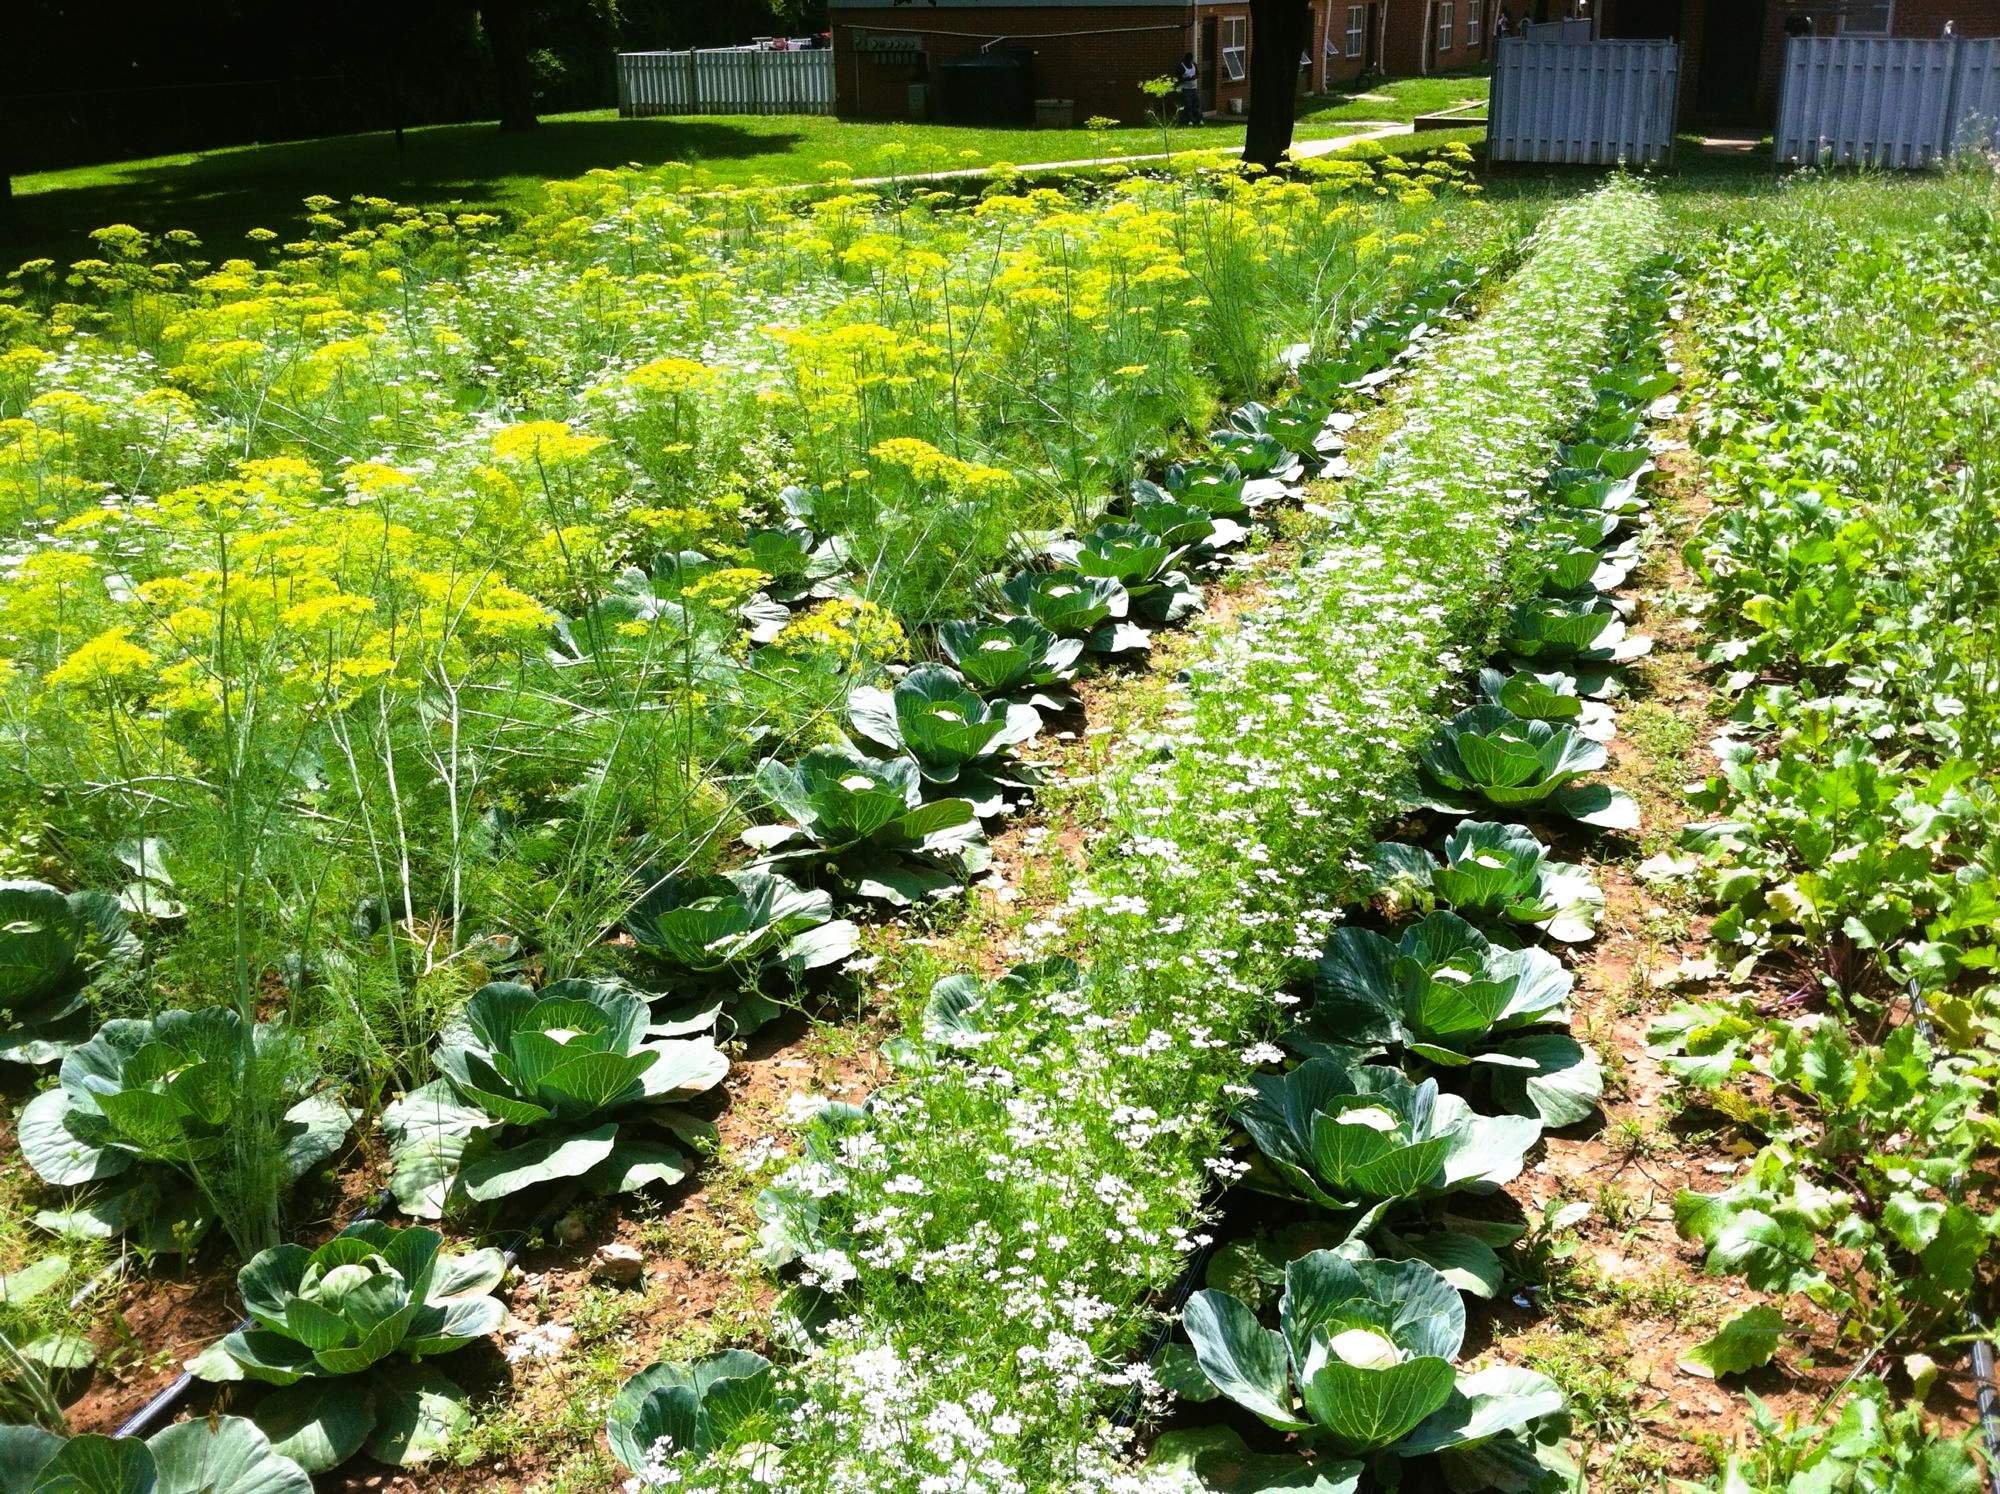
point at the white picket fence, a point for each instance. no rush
(1595, 103)
(725, 80)
(1886, 101)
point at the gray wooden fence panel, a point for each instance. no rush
(725, 80)
(1560, 31)
(1583, 102)
(1885, 101)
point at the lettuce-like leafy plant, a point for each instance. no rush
(956, 738)
(1446, 993)
(1013, 657)
(167, 1091)
(321, 1319)
(225, 1455)
(1218, 488)
(1590, 631)
(53, 947)
(541, 1086)
(1355, 1137)
(1065, 601)
(1361, 1367)
(1489, 756)
(1258, 445)
(674, 1412)
(868, 815)
(1555, 697)
(742, 922)
(1495, 873)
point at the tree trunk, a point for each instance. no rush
(506, 26)
(1278, 34)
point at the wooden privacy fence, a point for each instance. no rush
(1886, 101)
(1594, 103)
(726, 80)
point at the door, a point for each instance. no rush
(1732, 55)
(1210, 46)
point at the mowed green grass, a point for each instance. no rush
(222, 194)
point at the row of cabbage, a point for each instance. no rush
(165, 1122)
(1850, 594)
(977, 1251)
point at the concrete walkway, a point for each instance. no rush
(1300, 149)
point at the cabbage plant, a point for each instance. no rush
(1495, 872)
(1489, 756)
(546, 1086)
(671, 1412)
(1355, 1137)
(322, 1320)
(957, 739)
(1445, 993)
(868, 816)
(209, 1455)
(166, 1091)
(1260, 445)
(1065, 601)
(1556, 697)
(1218, 488)
(1013, 657)
(741, 922)
(1141, 561)
(1550, 629)
(1361, 1367)
(54, 947)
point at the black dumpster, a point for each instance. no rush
(996, 87)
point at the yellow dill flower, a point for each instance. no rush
(110, 659)
(545, 441)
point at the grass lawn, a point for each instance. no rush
(1400, 99)
(222, 193)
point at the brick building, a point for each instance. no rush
(891, 61)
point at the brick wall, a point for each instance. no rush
(1411, 47)
(1101, 72)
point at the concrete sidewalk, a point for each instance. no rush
(1300, 149)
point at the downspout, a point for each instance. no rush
(1426, 38)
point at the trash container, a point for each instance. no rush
(1055, 114)
(987, 88)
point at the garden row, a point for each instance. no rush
(348, 769)
(980, 1249)
(1851, 591)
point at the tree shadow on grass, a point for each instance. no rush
(222, 194)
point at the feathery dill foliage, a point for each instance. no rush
(1000, 1222)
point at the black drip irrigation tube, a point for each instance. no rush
(1170, 1315)
(1985, 1393)
(137, 1423)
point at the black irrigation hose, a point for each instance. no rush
(1170, 1315)
(1984, 1389)
(159, 1405)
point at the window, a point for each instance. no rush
(1867, 19)
(1357, 29)
(1235, 47)
(1447, 23)
(1473, 22)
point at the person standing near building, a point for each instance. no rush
(1189, 79)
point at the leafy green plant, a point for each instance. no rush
(1873, 1443)
(868, 815)
(53, 947)
(1446, 993)
(1489, 756)
(741, 922)
(957, 739)
(1495, 873)
(1013, 657)
(1556, 697)
(672, 1412)
(321, 1319)
(1065, 601)
(1590, 631)
(1361, 1366)
(1355, 1138)
(37, 1340)
(166, 1091)
(225, 1455)
(1139, 559)
(546, 1086)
